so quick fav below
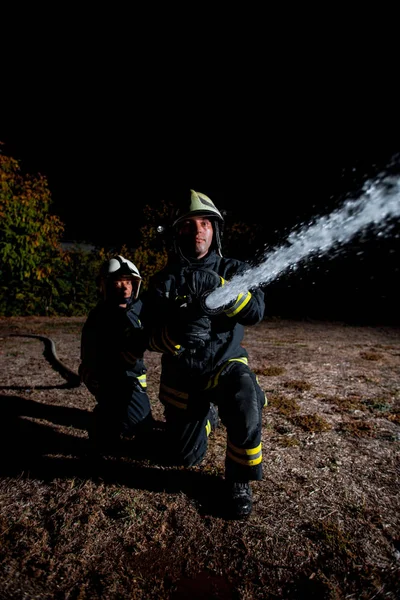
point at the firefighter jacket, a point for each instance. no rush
(196, 346)
(112, 346)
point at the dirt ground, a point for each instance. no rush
(326, 519)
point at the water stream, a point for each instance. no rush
(376, 210)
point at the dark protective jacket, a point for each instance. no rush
(112, 346)
(167, 323)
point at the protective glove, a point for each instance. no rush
(195, 334)
(200, 283)
(203, 282)
(231, 309)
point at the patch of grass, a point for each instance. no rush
(348, 404)
(370, 355)
(283, 404)
(394, 418)
(298, 385)
(311, 423)
(333, 538)
(132, 526)
(377, 404)
(288, 441)
(358, 428)
(269, 371)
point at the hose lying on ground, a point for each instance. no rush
(50, 355)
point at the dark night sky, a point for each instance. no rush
(119, 112)
(113, 130)
(273, 120)
(101, 176)
(273, 128)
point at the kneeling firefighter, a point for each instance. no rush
(112, 366)
(205, 372)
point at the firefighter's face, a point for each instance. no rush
(122, 289)
(195, 236)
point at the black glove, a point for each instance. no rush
(189, 327)
(201, 282)
(195, 334)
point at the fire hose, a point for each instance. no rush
(50, 354)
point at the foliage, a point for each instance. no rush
(39, 277)
(30, 251)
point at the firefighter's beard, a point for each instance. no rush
(192, 248)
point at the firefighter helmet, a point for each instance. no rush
(201, 205)
(119, 267)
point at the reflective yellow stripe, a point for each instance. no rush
(248, 451)
(142, 380)
(243, 360)
(240, 461)
(243, 455)
(214, 380)
(208, 428)
(239, 305)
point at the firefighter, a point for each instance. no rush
(112, 367)
(205, 373)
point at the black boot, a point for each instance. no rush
(240, 499)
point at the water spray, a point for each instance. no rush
(377, 208)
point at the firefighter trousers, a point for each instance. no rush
(123, 409)
(190, 418)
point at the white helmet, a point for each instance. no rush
(119, 267)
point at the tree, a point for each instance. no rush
(30, 250)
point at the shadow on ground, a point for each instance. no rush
(32, 446)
